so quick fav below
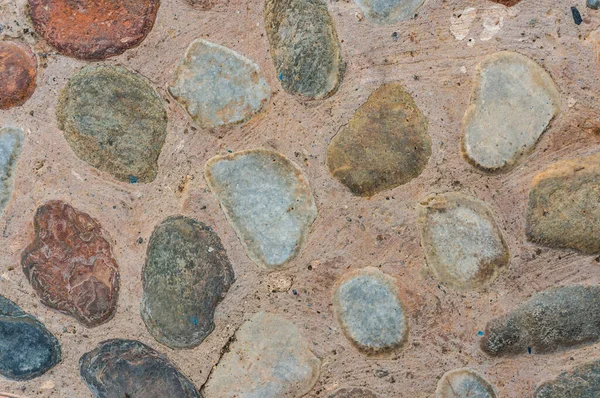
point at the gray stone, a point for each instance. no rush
(389, 11)
(353, 392)
(27, 348)
(463, 245)
(217, 86)
(187, 273)
(369, 310)
(593, 4)
(512, 104)
(11, 141)
(553, 320)
(267, 200)
(581, 382)
(464, 383)
(267, 359)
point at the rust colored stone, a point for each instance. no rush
(18, 71)
(70, 264)
(93, 29)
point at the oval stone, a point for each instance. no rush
(583, 381)
(304, 46)
(217, 86)
(18, 73)
(93, 29)
(70, 264)
(127, 368)
(11, 141)
(27, 348)
(384, 145)
(267, 200)
(513, 101)
(187, 273)
(268, 358)
(508, 3)
(368, 308)
(353, 392)
(389, 11)
(114, 120)
(464, 382)
(462, 242)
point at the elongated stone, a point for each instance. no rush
(11, 141)
(267, 200)
(553, 320)
(389, 11)
(268, 359)
(114, 120)
(304, 46)
(18, 72)
(384, 145)
(583, 381)
(127, 368)
(217, 86)
(369, 310)
(463, 245)
(462, 383)
(508, 3)
(70, 264)
(187, 273)
(563, 210)
(513, 101)
(27, 348)
(353, 392)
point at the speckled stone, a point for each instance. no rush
(384, 145)
(27, 348)
(564, 206)
(18, 73)
(553, 320)
(217, 86)
(304, 46)
(368, 308)
(127, 368)
(267, 200)
(11, 141)
(513, 101)
(508, 3)
(187, 273)
(353, 392)
(267, 359)
(464, 383)
(583, 381)
(389, 11)
(114, 120)
(70, 264)
(463, 245)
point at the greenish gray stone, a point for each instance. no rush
(11, 141)
(464, 383)
(218, 86)
(114, 120)
(353, 392)
(389, 11)
(581, 382)
(187, 273)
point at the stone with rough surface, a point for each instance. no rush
(508, 3)
(581, 382)
(464, 383)
(18, 72)
(267, 200)
(218, 86)
(384, 145)
(187, 273)
(267, 359)
(11, 141)
(389, 11)
(514, 99)
(70, 264)
(353, 392)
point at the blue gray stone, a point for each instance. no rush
(583, 381)
(593, 4)
(11, 141)
(463, 383)
(389, 11)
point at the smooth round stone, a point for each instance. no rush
(369, 310)
(18, 72)
(593, 4)
(513, 101)
(352, 392)
(114, 120)
(11, 142)
(93, 29)
(464, 383)
(462, 242)
(27, 348)
(583, 381)
(389, 11)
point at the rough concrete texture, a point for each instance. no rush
(464, 383)
(583, 381)
(389, 11)
(11, 142)
(18, 73)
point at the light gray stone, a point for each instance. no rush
(463, 383)
(389, 11)
(11, 141)
(583, 381)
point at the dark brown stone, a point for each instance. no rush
(508, 3)
(70, 264)
(18, 71)
(353, 392)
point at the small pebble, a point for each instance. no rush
(576, 16)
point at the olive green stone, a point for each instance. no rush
(581, 382)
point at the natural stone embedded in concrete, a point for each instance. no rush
(353, 392)
(218, 86)
(114, 120)
(464, 383)
(462, 242)
(93, 29)
(508, 3)
(27, 348)
(513, 101)
(127, 368)
(389, 11)
(11, 141)
(70, 264)
(384, 145)
(304, 46)
(581, 382)
(369, 310)
(268, 358)
(564, 205)
(267, 200)
(187, 273)
(18, 73)
(550, 321)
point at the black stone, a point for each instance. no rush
(576, 16)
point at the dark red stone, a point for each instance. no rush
(18, 71)
(70, 264)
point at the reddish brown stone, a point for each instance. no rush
(93, 29)
(70, 264)
(18, 71)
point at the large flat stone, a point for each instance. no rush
(18, 73)
(389, 11)
(583, 381)
(11, 141)
(464, 383)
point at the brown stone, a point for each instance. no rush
(18, 71)
(93, 29)
(353, 392)
(508, 3)
(70, 264)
